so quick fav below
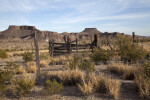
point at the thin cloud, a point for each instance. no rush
(88, 19)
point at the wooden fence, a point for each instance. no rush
(71, 46)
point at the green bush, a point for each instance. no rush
(27, 56)
(52, 87)
(146, 68)
(22, 86)
(2, 88)
(74, 63)
(101, 55)
(6, 50)
(6, 76)
(78, 62)
(87, 66)
(129, 51)
(3, 54)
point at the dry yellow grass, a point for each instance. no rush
(105, 47)
(69, 77)
(127, 71)
(58, 60)
(113, 87)
(31, 67)
(85, 87)
(20, 70)
(145, 45)
(100, 84)
(143, 86)
(44, 63)
(28, 76)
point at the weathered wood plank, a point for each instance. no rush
(37, 56)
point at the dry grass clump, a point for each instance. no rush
(44, 55)
(85, 87)
(44, 63)
(142, 80)
(113, 87)
(143, 86)
(100, 84)
(146, 45)
(20, 70)
(58, 60)
(71, 77)
(126, 71)
(68, 77)
(31, 67)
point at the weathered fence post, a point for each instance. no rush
(64, 38)
(133, 36)
(68, 45)
(95, 40)
(76, 45)
(51, 45)
(108, 43)
(91, 38)
(32, 47)
(37, 56)
(92, 44)
(107, 39)
(52, 50)
(137, 40)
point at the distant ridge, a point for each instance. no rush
(25, 33)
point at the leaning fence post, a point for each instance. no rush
(95, 40)
(37, 55)
(133, 36)
(68, 45)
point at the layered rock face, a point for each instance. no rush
(24, 32)
(13, 27)
(91, 30)
(17, 31)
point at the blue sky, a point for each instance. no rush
(124, 16)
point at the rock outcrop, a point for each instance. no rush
(91, 30)
(24, 32)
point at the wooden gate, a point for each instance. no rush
(71, 46)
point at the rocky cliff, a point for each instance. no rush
(91, 30)
(24, 32)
